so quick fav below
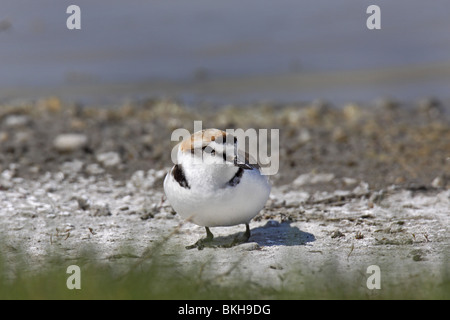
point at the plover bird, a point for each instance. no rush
(214, 184)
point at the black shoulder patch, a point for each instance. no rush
(178, 175)
(236, 178)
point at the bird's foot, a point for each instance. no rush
(239, 240)
(207, 242)
(202, 243)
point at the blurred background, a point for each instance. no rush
(233, 51)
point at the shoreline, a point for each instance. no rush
(341, 87)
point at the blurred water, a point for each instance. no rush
(176, 40)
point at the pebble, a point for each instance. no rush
(438, 182)
(349, 181)
(101, 210)
(72, 167)
(7, 175)
(94, 169)
(362, 188)
(69, 142)
(276, 266)
(313, 178)
(377, 196)
(249, 246)
(142, 180)
(337, 234)
(83, 203)
(304, 136)
(109, 159)
(272, 223)
(352, 112)
(339, 135)
(14, 121)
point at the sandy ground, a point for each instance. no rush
(358, 186)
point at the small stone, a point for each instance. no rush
(101, 210)
(109, 159)
(249, 246)
(72, 167)
(339, 135)
(14, 121)
(377, 196)
(94, 169)
(349, 181)
(148, 180)
(69, 142)
(22, 137)
(362, 188)
(272, 224)
(313, 178)
(68, 227)
(438, 182)
(83, 203)
(7, 175)
(337, 234)
(34, 169)
(276, 266)
(305, 136)
(352, 112)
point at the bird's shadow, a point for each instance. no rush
(273, 233)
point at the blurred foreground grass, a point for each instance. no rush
(152, 276)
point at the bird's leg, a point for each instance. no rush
(247, 232)
(236, 241)
(200, 244)
(209, 235)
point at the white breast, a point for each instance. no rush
(211, 205)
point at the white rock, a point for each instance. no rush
(362, 188)
(313, 178)
(94, 169)
(294, 198)
(101, 210)
(305, 136)
(438, 182)
(14, 121)
(145, 181)
(249, 246)
(71, 167)
(68, 142)
(7, 175)
(109, 159)
(349, 181)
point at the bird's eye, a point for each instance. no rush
(209, 150)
